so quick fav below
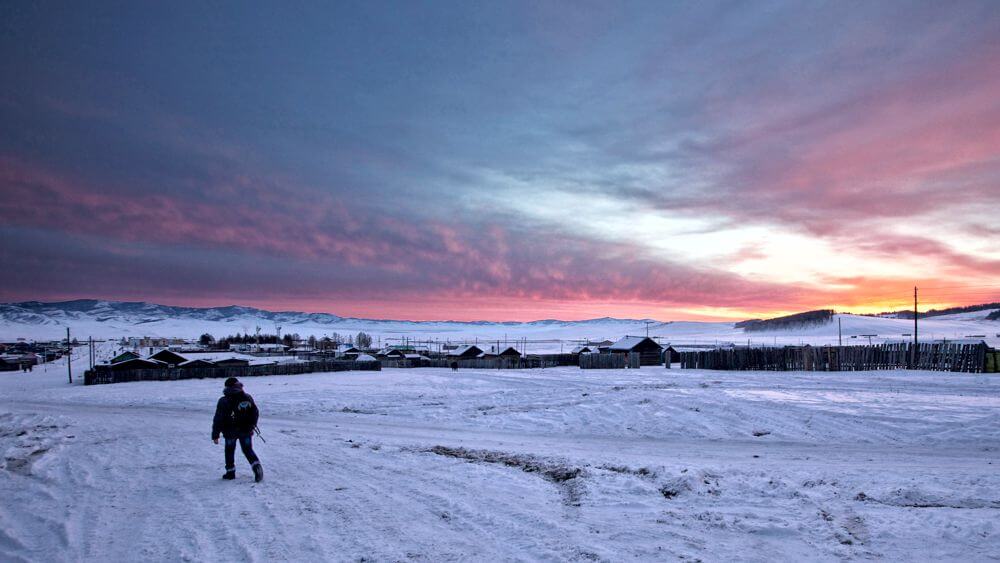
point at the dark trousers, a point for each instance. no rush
(246, 444)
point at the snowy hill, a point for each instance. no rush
(88, 317)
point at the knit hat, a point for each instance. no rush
(233, 382)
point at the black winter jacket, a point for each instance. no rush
(235, 415)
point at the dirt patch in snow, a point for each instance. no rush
(560, 474)
(909, 498)
(625, 470)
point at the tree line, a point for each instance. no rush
(362, 340)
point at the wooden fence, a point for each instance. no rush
(610, 361)
(102, 374)
(533, 361)
(969, 358)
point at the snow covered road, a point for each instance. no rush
(555, 464)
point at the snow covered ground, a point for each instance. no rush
(555, 464)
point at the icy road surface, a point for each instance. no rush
(555, 464)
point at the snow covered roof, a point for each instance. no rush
(580, 350)
(464, 349)
(364, 358)
(139, 363)
(193, 362)
(630, 342)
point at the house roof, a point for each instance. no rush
(127, 355)
(580, 350)
(140, 363)
(630, 342)
(194, 362)
(169, 353)
(464, 349)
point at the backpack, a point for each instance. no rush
(242, 412)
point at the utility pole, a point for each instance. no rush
(647, 327)
(69, 356)
(913, 353)
(840, 334)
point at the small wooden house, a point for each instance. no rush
(465, 352)
(169, 357)
(671, 354)
(509, 352)
(347, 352)
(127, 355)
(231, 363)
(138, 363)
(198, 363)
(650, 352)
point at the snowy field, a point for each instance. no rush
(555, 464)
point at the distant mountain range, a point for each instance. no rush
(139, 313)
(115, 319)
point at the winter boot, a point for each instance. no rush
(258, 472)
(230, 474)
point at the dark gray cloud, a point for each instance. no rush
(351, 147)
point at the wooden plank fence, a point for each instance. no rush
(102, 374)
(610, 361)
(530, 362)
(968, 358)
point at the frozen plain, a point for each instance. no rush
(555, 464)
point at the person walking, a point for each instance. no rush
(235, 419)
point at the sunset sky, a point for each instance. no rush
(502, 161)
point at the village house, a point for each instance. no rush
(650, 352)
(465, 352)
(508, 352)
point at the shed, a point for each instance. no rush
(650, 352)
